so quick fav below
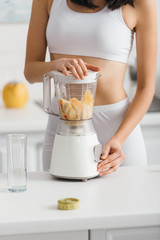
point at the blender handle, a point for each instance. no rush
(97, 150)
(47, 93)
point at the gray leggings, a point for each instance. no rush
(106, 121)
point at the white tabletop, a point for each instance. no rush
(30, 118)
(129, 197)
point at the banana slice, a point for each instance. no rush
(72, 114)
(75, 109)
(76, 104)
(88, 97)
(65, 105)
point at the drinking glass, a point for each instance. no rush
(17, 162)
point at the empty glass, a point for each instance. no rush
(17, 162)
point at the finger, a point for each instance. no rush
(106, 151)
(107, 171)
(110, 170)
(99, 165)
(64, 71)
(78, 68)
(92, 67)
(118, 161)
(84, 68)
(113, 169)
(120, 152)
(79, 71)
(113, 156)
(73, 70)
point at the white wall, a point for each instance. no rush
(12, 57)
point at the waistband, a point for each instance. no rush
(119, 105)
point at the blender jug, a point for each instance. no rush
(75, 132)
(75, 97)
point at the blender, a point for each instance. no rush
(76, 149)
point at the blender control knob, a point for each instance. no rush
(97, 150)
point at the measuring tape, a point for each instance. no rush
(68, 204)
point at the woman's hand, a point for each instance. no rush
(112, 158)
(78, 67)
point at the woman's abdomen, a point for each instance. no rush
(110, 84)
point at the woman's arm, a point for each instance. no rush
(146, 41)
(35, 65)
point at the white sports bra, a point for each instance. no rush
(102, 34)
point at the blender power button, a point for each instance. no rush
(97, 150)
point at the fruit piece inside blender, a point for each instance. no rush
(74, 109)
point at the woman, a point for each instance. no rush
(98, 35)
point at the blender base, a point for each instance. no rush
(76, 178)
(73, 157)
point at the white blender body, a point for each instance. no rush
(76, 149)
(71, 165)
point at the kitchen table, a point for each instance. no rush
(122, 205)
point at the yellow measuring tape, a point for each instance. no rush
(68, 204)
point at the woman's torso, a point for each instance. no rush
(110, 84)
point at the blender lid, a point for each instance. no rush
(61, 78)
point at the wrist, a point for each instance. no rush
(58, 63)
(118, 139)
(54, 63)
